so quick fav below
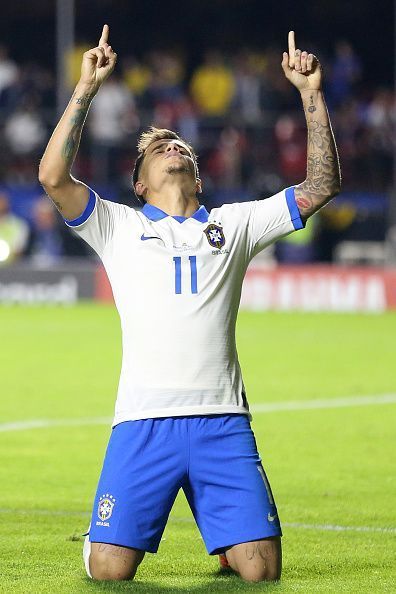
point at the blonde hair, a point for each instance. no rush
(153, 134)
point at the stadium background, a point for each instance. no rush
(325, 427)
(211, 71)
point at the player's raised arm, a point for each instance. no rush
(68, 194)
(323, 180)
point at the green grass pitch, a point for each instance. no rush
(328, 468)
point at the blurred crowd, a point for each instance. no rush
(239, 112)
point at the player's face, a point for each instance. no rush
(165, 158)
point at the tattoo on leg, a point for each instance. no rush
(254, 550)
(113, 550)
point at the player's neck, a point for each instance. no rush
(175, 202)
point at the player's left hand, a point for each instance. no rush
(302, 69)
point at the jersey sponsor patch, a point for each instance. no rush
(215, 236)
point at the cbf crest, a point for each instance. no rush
(215, 236)
(105, 508)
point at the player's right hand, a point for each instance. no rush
(99, 62)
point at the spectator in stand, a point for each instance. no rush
(381, 120)
(225, 163)
(291, 148)
(24, 130)
(73, 62)
(249, 105)
(32, 82)
(247, 88)
(137, 77)
(164, 115)
(14, 232)
(298, 250)
(40, 82)
(112, 119)
(45, 245)
(352, 135)
(276, 95)
(8, 71)
(213, 86)
(167, 77)
(344, 74)
(187, 121)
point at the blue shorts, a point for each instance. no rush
(212, 458)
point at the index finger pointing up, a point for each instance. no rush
(292, 44)
(105, 35)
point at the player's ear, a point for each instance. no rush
(198, 186)
(140, 188)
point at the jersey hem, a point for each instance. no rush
(180, 412)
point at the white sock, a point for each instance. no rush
(86, 554)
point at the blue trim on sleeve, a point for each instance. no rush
(293, 209)
(87, 212)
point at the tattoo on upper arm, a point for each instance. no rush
(254, 550)
(71, 143)
(57, 204)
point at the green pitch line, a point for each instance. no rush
(332, 470)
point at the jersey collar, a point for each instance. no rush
(156, 214)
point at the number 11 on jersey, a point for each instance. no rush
(178, 274)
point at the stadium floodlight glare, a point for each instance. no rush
(4, 250)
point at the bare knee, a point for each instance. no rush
(257, 561)
(260, 573)
(110, 562)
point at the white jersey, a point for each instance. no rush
(177, 284)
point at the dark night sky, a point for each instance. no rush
(28, 27)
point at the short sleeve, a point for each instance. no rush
(272, 218)
(96, 225)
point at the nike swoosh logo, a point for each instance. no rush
(271, 518)
(144, 238)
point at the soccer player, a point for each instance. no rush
(182, 418)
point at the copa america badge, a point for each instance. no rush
(215, 236)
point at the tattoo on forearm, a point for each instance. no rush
(72, 141)
(85, 100)
(323, 173)
(311, 107)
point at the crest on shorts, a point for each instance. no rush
(105, 507)
(215, 236)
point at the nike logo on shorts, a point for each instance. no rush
(271, 518)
